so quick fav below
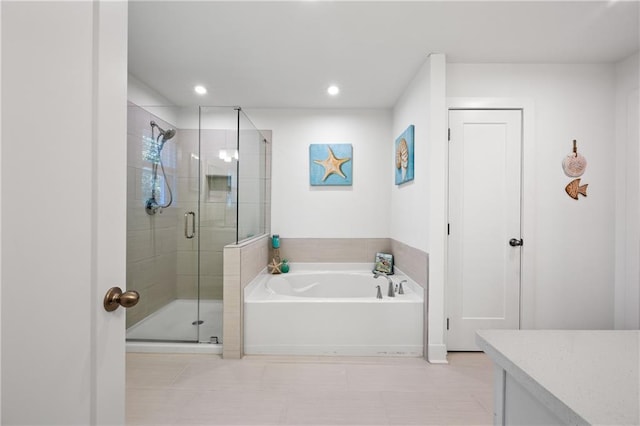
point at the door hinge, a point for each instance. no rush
(448, 229)
(449, 134)
(447, 323)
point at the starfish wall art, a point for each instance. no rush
(330, 164)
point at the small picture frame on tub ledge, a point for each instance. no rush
(384, 263)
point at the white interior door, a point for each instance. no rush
(63, 193)
(483, 279)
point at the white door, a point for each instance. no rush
(63, 173)
(483, 279)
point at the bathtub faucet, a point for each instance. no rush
(391, 292)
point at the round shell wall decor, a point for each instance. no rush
(574, 164)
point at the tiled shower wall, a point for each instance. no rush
(151, 240)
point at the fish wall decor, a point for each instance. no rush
(574, 188)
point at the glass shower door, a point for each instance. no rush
(188, 233)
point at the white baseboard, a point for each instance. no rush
(339, 350)
(437, 354)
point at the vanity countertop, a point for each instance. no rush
(584, 377)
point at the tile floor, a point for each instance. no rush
(185, 389)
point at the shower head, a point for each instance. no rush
(166, 134)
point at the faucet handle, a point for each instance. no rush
(379, 294)
(401, 290)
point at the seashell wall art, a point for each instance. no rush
(404, 156)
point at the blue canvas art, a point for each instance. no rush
(330, 164)
(404, 156)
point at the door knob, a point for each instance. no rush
(514, 242)
(115, 297)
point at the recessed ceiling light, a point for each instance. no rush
(333, 90)
(200, 90)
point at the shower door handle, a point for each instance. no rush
(186, 225)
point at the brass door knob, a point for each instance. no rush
(115, 297)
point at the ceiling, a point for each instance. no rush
(284, 54)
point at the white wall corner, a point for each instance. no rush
(151, 100)
(437, 193)
(437, 354)
(411, 226)
(0, 211)
(627, 196)
(142, 94)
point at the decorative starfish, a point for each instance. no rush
(332, 165)
(274, 266)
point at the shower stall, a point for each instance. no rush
(198, 180)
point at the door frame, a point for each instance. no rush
(528, 197)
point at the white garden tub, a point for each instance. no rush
(325, 309)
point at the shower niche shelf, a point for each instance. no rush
(218, 188)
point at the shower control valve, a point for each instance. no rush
(152, 207)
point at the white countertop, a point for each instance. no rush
(584, 377)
